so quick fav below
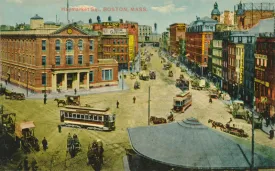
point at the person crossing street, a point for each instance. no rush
(134, 99)
(45, 144)
(117, 104)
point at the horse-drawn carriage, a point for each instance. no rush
(152, 74)
(132, 76)
(95, 154)
(157, 120)
(14, 95)
(72, 100)
(167, 66)
(73, 145)
(137, 85)
(25, 132)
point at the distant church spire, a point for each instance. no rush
(68, 11)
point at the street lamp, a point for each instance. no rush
(45, 94)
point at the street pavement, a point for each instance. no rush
(82, 92)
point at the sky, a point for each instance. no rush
(162, 12)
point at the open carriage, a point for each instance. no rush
(73, 145)
(72, 100)
(25, 132)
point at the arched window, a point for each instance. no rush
(69, 45)
(57, 45)
(80, 45)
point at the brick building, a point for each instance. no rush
(249, 14)
(65, 58)
(198, 37)
(232, 75)
(177, 34)
(132, 32)
(265, 74)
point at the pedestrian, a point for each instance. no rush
(267, 121)
(6, 81)
(117, 104)
(45, 144)
(271, 134)
(33, 165)
(75, 91)
(210, 100)
(26, 164)
(134, 99)
(59, 128)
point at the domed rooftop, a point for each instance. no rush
(190, 144)
(36, 17)
(215, 11)
(240, 10)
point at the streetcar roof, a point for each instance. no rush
(86, 111)
(86, 108)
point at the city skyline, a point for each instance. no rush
(164, 12)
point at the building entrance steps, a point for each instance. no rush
(32, 95)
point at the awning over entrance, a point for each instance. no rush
(189, 144)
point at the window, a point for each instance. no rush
(107, 75)
(100, 118)
(44, 76)
(43, 45)
(82, 116)
(43, 60)
(114, 49)
(78, 116)
(118, 42)
(91, 76)
(57, 45)
(57, 60)
(80, 59)
(91, 44)
(239, 39)
(117, 58)
(80, 45)
(69, 60)
(69, 45)
(95, 118)
(114, 42)
(91, 59)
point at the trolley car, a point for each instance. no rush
(87, 117)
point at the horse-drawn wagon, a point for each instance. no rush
(152, 74)
(73, 145)
(72, 100)
(25, 132)
(170, 73)
(95, 154)
(137, 85)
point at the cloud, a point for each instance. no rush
(171, 7)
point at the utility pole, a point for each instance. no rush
(27, 82)
(252, 157)
(122, 79)
(149, 106)
(45, 93)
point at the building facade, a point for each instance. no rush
(177, 34)
(264, 74)
(232, 75)
(118, 27)
(51, 59)
(198, 36)
(248, 15)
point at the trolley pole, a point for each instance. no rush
(149, 106)
(252, 157)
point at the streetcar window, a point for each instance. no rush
(66, 114)
(91, 117)
(86, 116)
(100, 118)
(106, 118)
(78, 116)
(95, 117)
(70, 115)
(82, 116)
(74, 115)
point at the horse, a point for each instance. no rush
(95, 155)
(60, 102)
(156, 120)
(170, 118)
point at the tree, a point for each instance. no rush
(98, 19)
(109, 18)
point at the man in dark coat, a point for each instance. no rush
(271, 133)
(75, 91)
(45, 144)
(210, 100)
(134, 99)
(117, 104)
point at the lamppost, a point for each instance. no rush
(45, 93)
(27, 81)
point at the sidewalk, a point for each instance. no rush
(52, 95)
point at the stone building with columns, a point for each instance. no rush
(64, 58)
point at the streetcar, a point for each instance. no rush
(88, 118)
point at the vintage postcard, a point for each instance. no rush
(137, 85)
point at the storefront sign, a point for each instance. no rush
(115, 31)
(111, 24)
(241, 68)
(260, 56)
(262, 82)
(131, 47)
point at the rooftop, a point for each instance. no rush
(36, 17)
(189, 144)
